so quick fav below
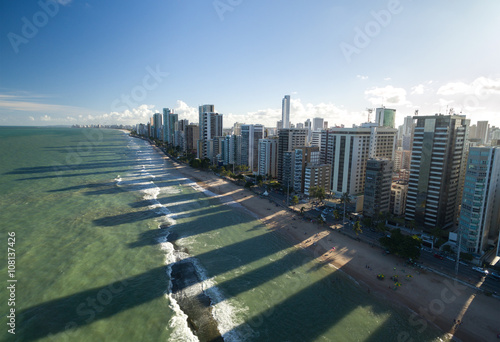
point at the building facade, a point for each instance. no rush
(288, 140)
(268, 157)
(377, 195)
(250, 136)
(285, 112)
(480, 211)
(436, 170)
(347, 150)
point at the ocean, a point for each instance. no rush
(113, 244)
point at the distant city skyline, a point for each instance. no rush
(66, 62)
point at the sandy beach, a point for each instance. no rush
(432, 298)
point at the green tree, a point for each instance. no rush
(357, 227)
(302, 211)
(318, 193)
(346, 199)
(405, 246)
(248, 184)
(295, 201)
(196, 163)
(336, 214)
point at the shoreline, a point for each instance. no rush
(430, 298)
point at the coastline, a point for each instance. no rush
(430, 298)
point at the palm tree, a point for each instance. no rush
(346, 199)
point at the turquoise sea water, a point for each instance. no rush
(113, 245)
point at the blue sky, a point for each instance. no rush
(109, 62)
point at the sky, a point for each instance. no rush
(70, 62)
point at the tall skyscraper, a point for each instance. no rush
(268, 157)
(482, 131)
(211, 127)
(207, 108)
(157, 124)
(347, 151)
(288, 140)
(170, 125)
(480, 210)
(317, 124)
(192, 136)
(385, 117)
(285, 112)
(250, 136)
(437, 170)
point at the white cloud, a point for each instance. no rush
(387, 79)
(480, 86)
(186, 112)
(387, 95)
(418, 90)
(139, 114)
(31, 118)
(361, 77)
(45, 118)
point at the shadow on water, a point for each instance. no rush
(71, 167)
(116, 220)
(314, 310)
(86, 307)
(71, 175)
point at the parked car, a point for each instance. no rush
(480, 270)
(438, 256)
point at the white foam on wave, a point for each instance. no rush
(178, 323)
(223, 312)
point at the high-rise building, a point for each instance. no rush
(347, 151)
(316, 138)
(285, 112)
(385, 117)
(317, 124)
(399, 191)
(378, 180)
(250, 136)
(268, 157)
(317, 175)
(157, 126)
(237, 128)
(303, 156)
(480, 211)
(211, 127)
(207, 108)
(482, 131)
(437, 170)
(170, 125)
(288, 140)
(192, 135)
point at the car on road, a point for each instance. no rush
(495, 275)
(480, 270)
(438, 256)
